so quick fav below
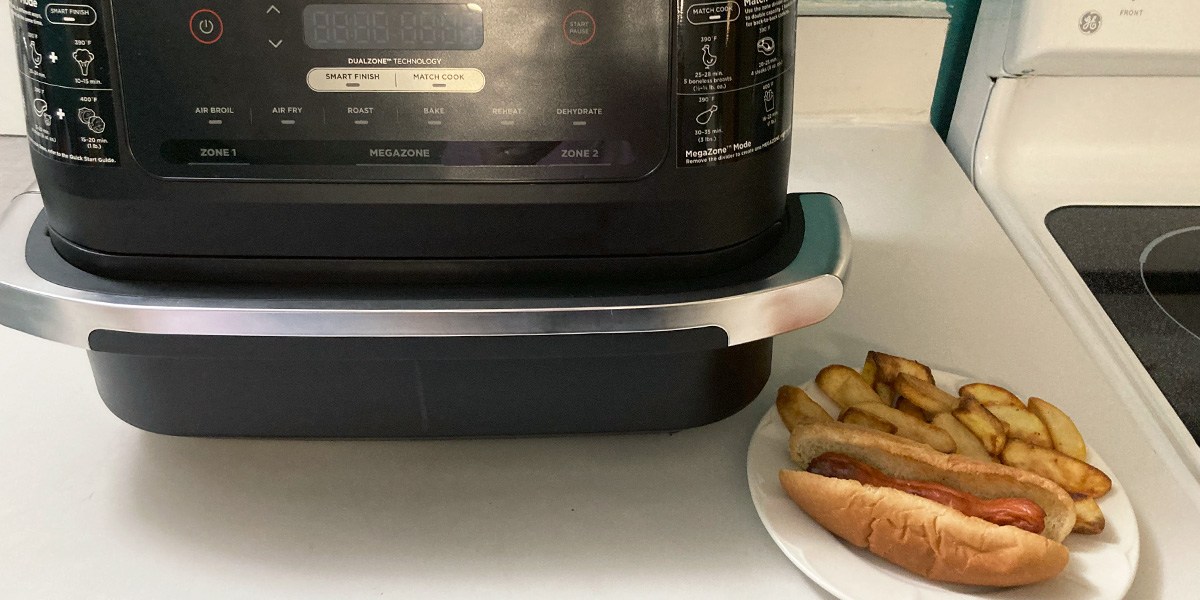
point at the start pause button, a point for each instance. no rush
(579, 27)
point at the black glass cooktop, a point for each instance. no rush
(1143, 265)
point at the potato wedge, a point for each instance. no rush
(910, 427)
(1063, 433)
(857, 416)
(1075, 476)
(885, 392)
(887, 367)
(989, 430)
(966, 442)
(1022, 424)
(1088, 517)
(845, 386)
(929, 397)
(869, 371)
(795, 406)
(903, 405)
(990, 395)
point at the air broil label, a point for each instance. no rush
(66, 80)
(734, 88)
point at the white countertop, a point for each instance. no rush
(92, 507)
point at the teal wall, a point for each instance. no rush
(958, 41)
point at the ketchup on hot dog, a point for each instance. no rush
(1018, 512)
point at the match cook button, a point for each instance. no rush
(461, 81)
(707, 13)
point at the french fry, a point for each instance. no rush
(856, 416)
(887, 367)
(1063, 432)
(903, 405)
(845, 386)
(910, 427)
(966, 442)
(1022, 424)
(795, 407)
(1075, 476)
(1088, 517)
(929, 397)
(990, 395)
(989, 430)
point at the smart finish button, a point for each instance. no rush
(70, 14)
(206, 26)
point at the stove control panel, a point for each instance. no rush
(1103, 37)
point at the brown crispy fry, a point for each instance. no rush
(845, 386)
(1063, 432)
(1022, 424)
(990, 431)
(926, 395)
(795, 407)
(1075, 476)
(857, 416)
(989, 395)
(905, 406)
(910, 427)
(888, 367)
(966, 442)
(1088, 517)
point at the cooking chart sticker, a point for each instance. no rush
(735, 78)
(65, 81)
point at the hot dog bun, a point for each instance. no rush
(920, 535)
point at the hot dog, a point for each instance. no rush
(942, 516)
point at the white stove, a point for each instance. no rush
(1079, 124)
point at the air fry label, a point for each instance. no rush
(66, 81)
(735, 61)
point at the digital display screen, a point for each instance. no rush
(393, 26)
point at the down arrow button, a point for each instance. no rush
(275, 44)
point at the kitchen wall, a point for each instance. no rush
(962, 23)
(958, 39)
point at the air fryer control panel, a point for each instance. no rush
(432, 89)
(406, 90)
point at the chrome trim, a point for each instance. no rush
(804, 293)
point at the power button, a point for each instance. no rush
(206, 26)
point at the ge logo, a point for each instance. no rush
(1089, 23)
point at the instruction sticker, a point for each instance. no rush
(734, 88)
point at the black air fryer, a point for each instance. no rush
(398, 218)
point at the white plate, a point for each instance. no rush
(1101, 566)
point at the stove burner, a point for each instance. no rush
(1171, 274)
(1142, 263)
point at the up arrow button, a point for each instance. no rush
(272, 9)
